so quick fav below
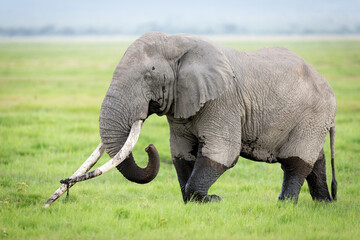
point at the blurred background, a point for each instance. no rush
(205, 17)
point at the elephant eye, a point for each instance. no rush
(153, 68)
(147, 76)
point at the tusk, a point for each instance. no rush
(112, 163)
(86, 166)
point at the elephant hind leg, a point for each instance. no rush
(295, 171)
(317, 180)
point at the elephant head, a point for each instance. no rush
(162, 74)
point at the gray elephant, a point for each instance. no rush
(267, 105)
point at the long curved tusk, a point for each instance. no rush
(112, 163)
(86, 166)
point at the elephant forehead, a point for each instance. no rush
(145, 47)
(132, 56)
(139, 58)
(150, 50)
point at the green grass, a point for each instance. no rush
(50, 97)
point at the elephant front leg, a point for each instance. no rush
(183, 169)
(204, 174)
(184, 148)
(200, 160)
(216, 154)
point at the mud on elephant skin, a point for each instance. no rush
(266, 105)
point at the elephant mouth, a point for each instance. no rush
(158, 108)
(154, 107)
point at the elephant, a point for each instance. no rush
(266, 105)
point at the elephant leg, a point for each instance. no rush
(184, 148)
(317, 180)
(295, 171)
(184, 169)
(204, 174)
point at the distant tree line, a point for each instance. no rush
(223, 29)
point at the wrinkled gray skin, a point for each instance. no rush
(267, 105)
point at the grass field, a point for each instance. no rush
(50, 97)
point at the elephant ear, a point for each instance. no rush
(203, 73)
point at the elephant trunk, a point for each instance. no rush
(116, 118)
(134, 173)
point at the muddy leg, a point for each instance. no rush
(295, 172)
(183, 169)
(204, 174)
(184, 148)
(317, 180)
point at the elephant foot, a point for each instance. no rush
(203, 199)
(214, 198)
(209, 198)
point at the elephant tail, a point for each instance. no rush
(333, 182)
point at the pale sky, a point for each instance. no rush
(112, 14)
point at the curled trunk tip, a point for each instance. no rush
(134, 173)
